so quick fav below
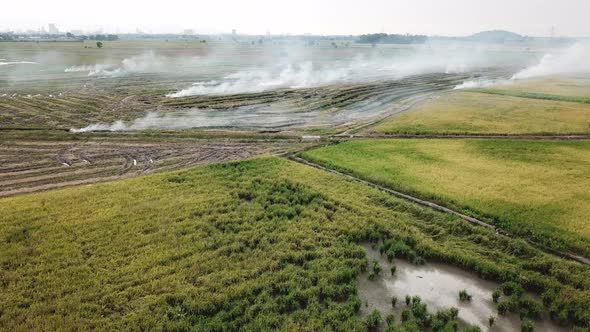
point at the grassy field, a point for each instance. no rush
(563, 86)
(472, 112)
(256, 245)
(533, 188)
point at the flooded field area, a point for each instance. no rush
(438, 286)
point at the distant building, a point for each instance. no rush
(233, 32)
(189, 32)
(77, 32)
(52, 29)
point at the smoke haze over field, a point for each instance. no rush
(304, 72)
(574, 60)
(146, 62)
(8, 63)
(481, 83)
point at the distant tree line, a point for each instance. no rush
(54, 37)
(102, 37)
(383, 38)
(5, 36)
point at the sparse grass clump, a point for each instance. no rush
(375, 270)
(445, 320)
(472, 328)
(496, 295)
(516, 301)
(464, 296)
(390, 319)
(373, 320)
(393, 301)
(527, 326)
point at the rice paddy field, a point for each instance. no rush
(158, 185)
(494, 111)
(564, 85)
(533, 188)
(253, 245)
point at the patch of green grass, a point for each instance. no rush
(532, 188)
(562, 86)
(263, 244)
(483, 113)
(533, 95)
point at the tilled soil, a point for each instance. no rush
(30, 166)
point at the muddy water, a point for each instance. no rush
(438, 286)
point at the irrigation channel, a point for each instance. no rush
(437, 207)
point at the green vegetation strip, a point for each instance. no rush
(533, 189)
(440, 208)
(469, 136)
(533, 95)
(263, 244)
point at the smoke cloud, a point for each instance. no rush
(8, 63)
(574, 60)
(301, 72)
(481, 83)
(268, 116)
(198, 118)
(257, 80)
(144, 63)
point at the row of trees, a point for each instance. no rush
(108, 37)
(99, 37)
(383, 38)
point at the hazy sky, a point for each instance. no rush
(433, 17)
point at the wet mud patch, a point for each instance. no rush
(438, 285)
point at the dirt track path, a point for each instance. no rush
(466, 136)
(440, 208)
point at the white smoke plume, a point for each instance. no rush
(301, 72)
(574, 60)
(186, 119)
(3, 62)
(76, 69)
(144, 63)
(481, 83)
(273, 116)
(263, 79)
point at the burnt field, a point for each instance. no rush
(83, 103)
(220, 85)
(28, 165)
